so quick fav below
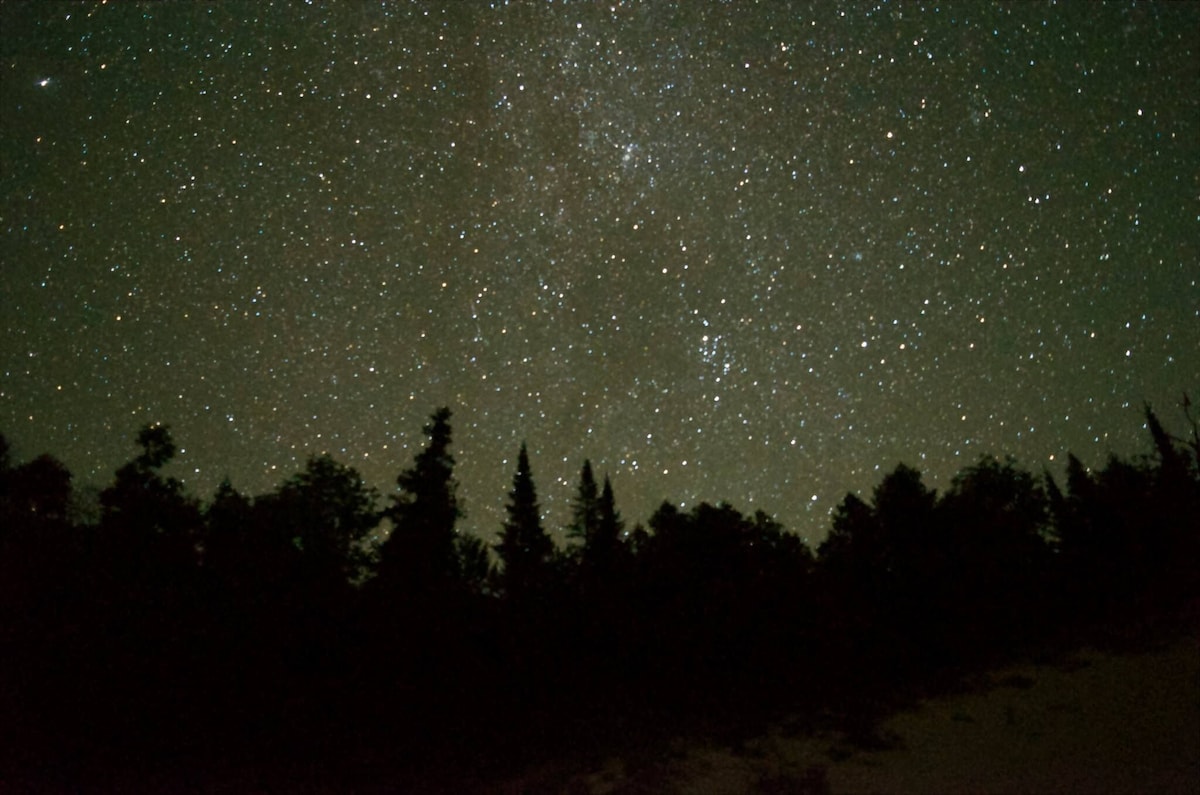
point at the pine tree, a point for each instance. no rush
(525, 548)
(604, 548)
(420, 555)
(585, 510)
(1172, 461)
(598, 526)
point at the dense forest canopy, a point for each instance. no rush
(270, 623)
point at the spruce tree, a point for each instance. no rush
(585, 510)
(605, 546)
(420, 554)
(525, 548)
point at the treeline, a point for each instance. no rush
(274, 627)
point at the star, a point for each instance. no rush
(790, 248)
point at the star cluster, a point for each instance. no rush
(748, 251)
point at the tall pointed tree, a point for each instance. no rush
(1169, 533)
(603, 550)
(420, 555)
(585, 510)
(1172, 460)
(525, 548)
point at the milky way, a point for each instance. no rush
(753, 252)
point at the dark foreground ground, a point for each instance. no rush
(1088, 721)
(1092, 723)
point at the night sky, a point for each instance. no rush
(753, 252)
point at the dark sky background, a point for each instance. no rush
(755, 252)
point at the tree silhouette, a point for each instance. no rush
(1126, 534)
(889, 540)
(850, 558)
(887, 568)
(1103, 536)
(228, 536)
(996, 517)
(1172, 461)
(852, 545)
(1171, 538)
(38, 489)
(524, 548)
(473, 564)
(329, 511)
(585, 509)
(420, 555)
(1193, 443)
(607, 543)
(904, 508)
(40, 550)
(143, 507)
(8, 497)
(718, 595)
(239, 628)
(603, 558)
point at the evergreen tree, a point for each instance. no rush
(473, 565)
(1194, 443)
(885, 565)
(610, 527)
(1172, 461)
(1169, 522)
(603, 550)
(996, 517)
(853, 538)
(585, 510)
(904, 507)
(887, 539)
(1070, 519)
(421, 553)
(525, 549)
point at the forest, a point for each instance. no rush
(164, 629)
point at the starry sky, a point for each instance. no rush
(759, 252)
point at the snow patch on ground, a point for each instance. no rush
(1098, 723)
